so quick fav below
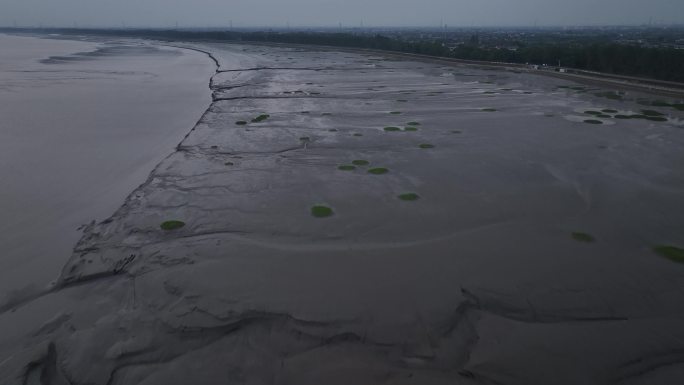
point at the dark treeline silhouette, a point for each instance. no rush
(620, 59)
(613, 58)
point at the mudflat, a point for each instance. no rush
(341, 218)
(82, 123)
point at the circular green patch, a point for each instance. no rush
(488, 110)
(426, 145)
(395, 112)
(409, 197)
(378, 170)
(583, 237)
(609, 111)
(172, 225)
(413, 124)
(593, 121)
(673, 253)
(651, 113)
(346, 167)
(360, 162)
(320, 211)
(410, 128)
(240, 122)
(388, 129)
(657, 118)
(261, 118)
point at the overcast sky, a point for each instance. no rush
(201, 13)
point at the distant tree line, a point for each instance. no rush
(620, 59)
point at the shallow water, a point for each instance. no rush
(83, 123)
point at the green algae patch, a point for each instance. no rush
(378, 171)
(260, 118)
(426, 145)
(621, 117)
(409, 197)
(360, 162)
(603, 116)
(395, 112)
(582, 237)
(656, 118)
(346, 167)
(413, 124)
(410, 128)
(240, 122)
(172, 225)
(673, 253)
(609, 111)
(488, 110)
(391, 128)
(593, 121)
(357, 134)
(320, 211)
(651, 113)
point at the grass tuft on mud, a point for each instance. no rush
(583, 237)
(673, 253)
(172, 225)
(321, 211)
(409, 197)
(261, 118)
(378, 170)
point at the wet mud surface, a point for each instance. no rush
(341, 218)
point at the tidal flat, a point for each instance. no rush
(287, 270)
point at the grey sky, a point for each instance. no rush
(165, 13)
